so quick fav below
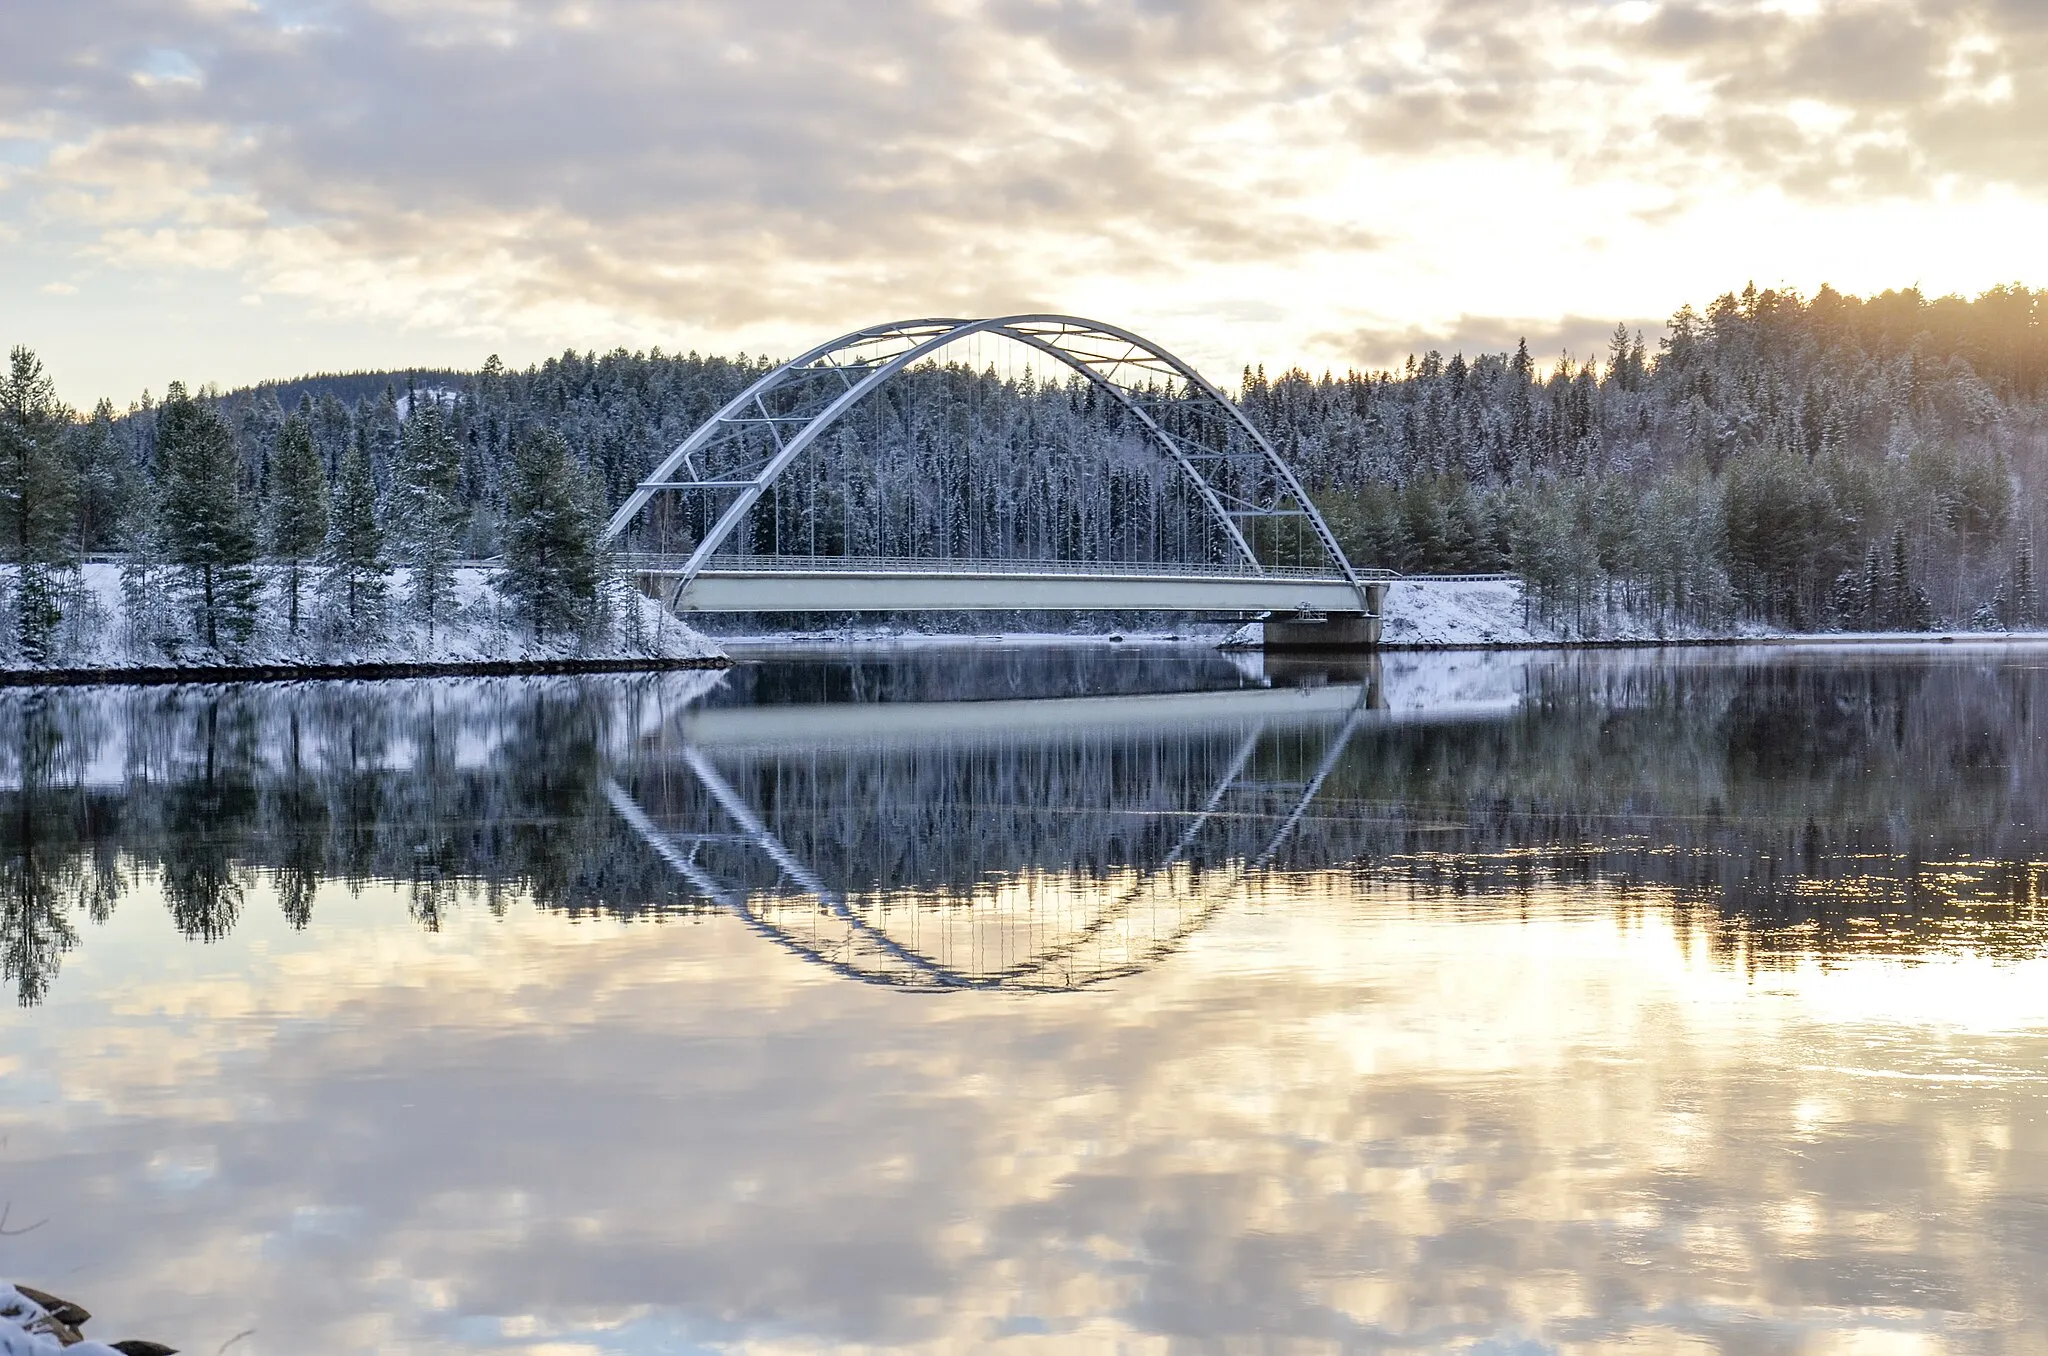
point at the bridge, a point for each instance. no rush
(1255, 508)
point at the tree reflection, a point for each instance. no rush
(1847, 802)
(301, 813)
(59, 861)
(208, 819)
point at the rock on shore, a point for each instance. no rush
(36, 1323)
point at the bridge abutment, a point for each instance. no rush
(1330, 631)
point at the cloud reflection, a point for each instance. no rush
(1342, 1115)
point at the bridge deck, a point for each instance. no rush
(834, 585)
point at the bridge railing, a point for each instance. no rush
(659, 563)
(1455, 578)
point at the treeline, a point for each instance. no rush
(219, 524)
(1823, 462)
(1813, 463)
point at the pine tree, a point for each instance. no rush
(1908, 607)
(107, 479)
(377, 429)
(352, 562)
(144, 585)
(552, 567)
(37, 492)
(1522, 410)
(333, 433)
(428, 513)
(1847, 600)
(298, 504)
(258, 426)
(207, 529)
(1874, 604)
(2026, 605)
(1619, 372)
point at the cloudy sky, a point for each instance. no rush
(228, 189)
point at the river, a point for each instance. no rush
(1080, 999)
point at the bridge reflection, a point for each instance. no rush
(1037, 843)
(1085, 818)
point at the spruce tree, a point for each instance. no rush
(37, 492)
(145, 588)
(333, 432)
(352, 562)
(1875, 607)
(298, 505)
(1521, 414)
(1909, 608)
(108, 483)
(1847, 600)
(207, 529)
(2025, 603)
(552, 567)
(428, 513)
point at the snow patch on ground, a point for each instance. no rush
(98, 632)
(1484, 613)
(1430, 614)
(26, 1330)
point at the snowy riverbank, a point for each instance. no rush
(108, 625)
(1437, 615)
(1490, 613)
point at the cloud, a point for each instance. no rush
(1860, 96)
(630, 169)
(691, 162)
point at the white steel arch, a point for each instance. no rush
(1238, 474)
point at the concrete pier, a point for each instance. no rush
(1330, 631)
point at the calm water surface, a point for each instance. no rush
(1060, 1001)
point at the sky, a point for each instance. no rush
(225, 190)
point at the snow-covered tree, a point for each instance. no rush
(352, 562)
(298, 506)
(206, 527)
(428, 514)
(37, 494)
(107, 479)
(552, 566)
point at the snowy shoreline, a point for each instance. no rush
(103, 645)
(111, 631)
(142, 675)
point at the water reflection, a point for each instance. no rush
(1465, 1002)
(869, 815)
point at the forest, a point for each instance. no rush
(1813, 463)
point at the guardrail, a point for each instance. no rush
(1457, 578)
(650, 563)
(655, 563)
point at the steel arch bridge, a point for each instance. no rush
(1250, 496)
